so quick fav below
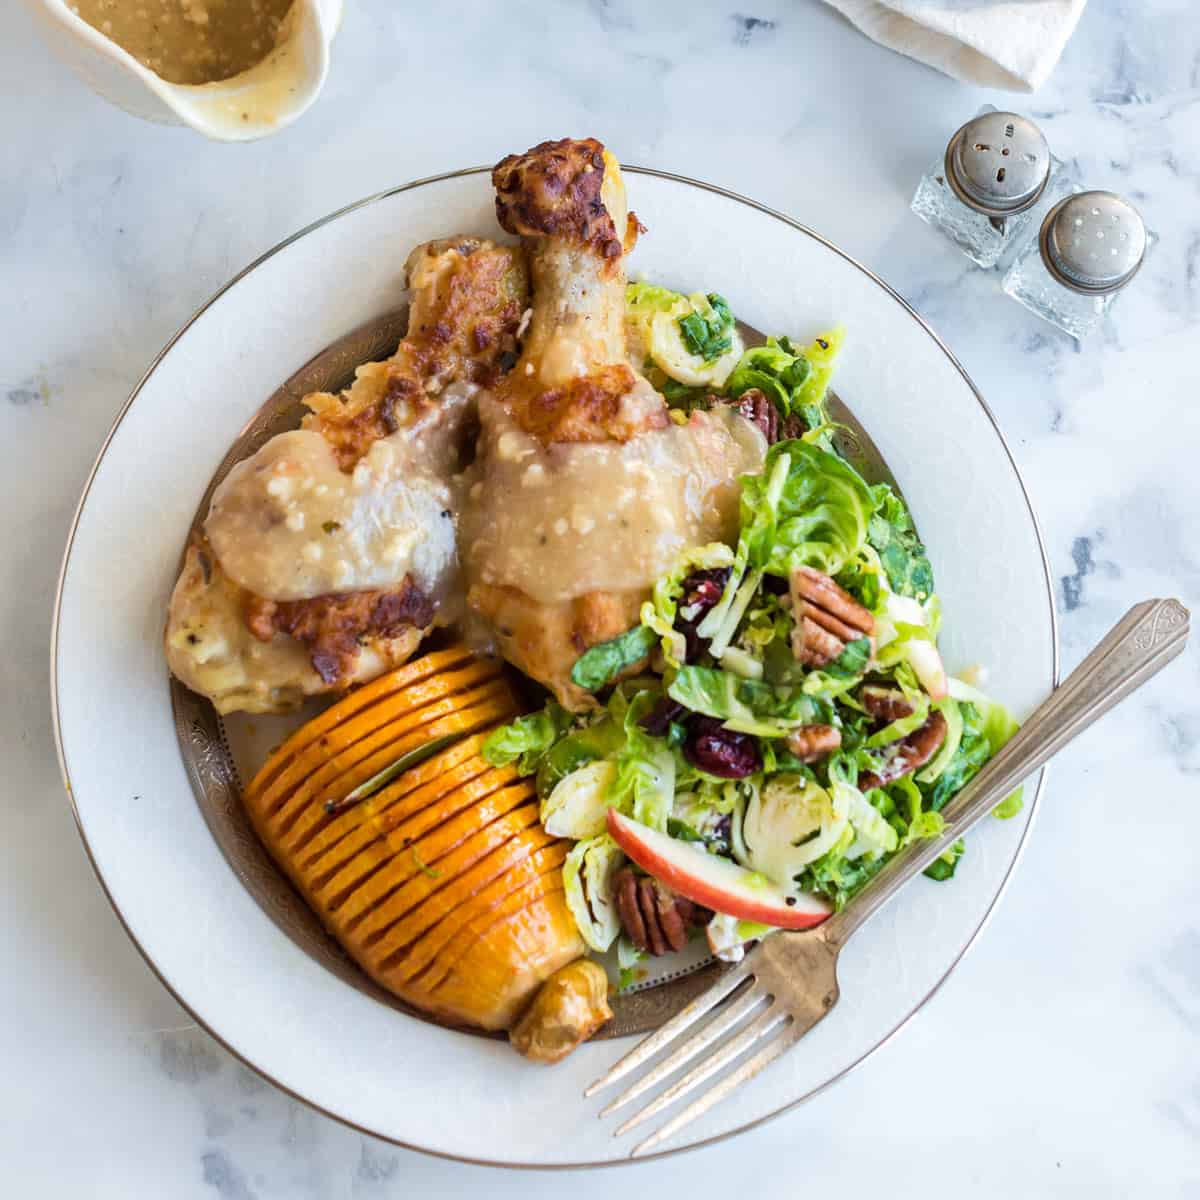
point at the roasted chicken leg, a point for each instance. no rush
(325, 556)
(585, 488)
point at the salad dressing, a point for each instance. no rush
(560, 521)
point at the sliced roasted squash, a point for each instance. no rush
(506, 964)
(430, 976)
(338, 778)
(336, 872)
(393, 712)
(357, 700)
(437, 894)
(405, 953)
(407, 877)
(440, 868)
(453, 767)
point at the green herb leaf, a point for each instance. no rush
(525, 740)
(775, 370)
(423, 868)
(818, 519)
(708, 335)
(384, 777)
(943, 868)
(1010, 805)
(747, 705)
(682, 831)
(577, 749)
(795, 380)
(839, 878)
(853, 660)
(892, 533)
(603, 663)
(646, 768)
(680, 395)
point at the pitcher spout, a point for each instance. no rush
(251, 104)
(271, 94)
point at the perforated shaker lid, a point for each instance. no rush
(1093, 242)
(998, 163)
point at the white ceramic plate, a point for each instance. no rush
(201, 931)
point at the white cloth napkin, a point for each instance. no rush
(1009, 44)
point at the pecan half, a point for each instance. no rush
(654, 917)
(811, 743)
(886, 704)
(758, 409)
(827, 618)
(905, 756)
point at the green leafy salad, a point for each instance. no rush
(782, 704)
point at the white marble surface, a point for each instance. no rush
(1063, 1057)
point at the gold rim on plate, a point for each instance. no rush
(246, 1061)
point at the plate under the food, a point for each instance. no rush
(218, 945)
(222, 753)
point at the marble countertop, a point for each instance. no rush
(1063, 1056)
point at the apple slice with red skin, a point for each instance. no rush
(714, 882)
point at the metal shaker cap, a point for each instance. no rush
(1093, 242)
(998, 163)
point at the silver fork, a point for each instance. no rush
(789, 983)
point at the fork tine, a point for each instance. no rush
(725, 1054)
(684, 1018)
(726, 1019)
(698, 1107)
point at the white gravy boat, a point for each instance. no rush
(257, 102)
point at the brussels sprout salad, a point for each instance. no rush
(779, 723)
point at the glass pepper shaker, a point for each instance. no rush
(1089, 247)
(982, 192)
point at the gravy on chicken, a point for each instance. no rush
(289, 524)
(560, 521)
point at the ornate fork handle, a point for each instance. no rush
(1139, 645)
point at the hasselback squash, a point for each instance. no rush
(439, 882)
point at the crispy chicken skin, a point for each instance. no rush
(573, 383)
(222, 641)
(467, 297)
(248, 652)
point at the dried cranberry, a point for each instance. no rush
(658, 720)
(701, 591)
(704, 587)
(720, 751)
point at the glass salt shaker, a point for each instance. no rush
(1089, 247)
(982, 192)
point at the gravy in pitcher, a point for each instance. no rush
(189, 41)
